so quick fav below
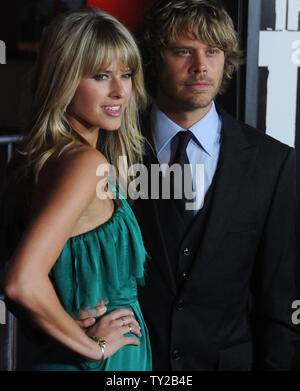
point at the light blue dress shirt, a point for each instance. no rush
(203, 149)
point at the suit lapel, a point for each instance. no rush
(157, 213)
(237, 155)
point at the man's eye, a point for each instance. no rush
(213, 51)
(100, 76)
(182, 52)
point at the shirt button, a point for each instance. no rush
(176, 355)
(186, 252)
(184, 275)
(179, 305)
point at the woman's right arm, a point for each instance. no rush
(26, 280)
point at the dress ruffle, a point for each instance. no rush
(102, 264)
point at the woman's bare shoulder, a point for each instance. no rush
(79, 161)
(80, 155)
(74, 172)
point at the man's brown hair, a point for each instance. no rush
(205, 20)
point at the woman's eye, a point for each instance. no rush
(127, 75)
(100, 76)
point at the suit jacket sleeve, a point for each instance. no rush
(275, 283)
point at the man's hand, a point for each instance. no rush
(87, 316)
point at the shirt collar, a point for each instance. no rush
(205, 131)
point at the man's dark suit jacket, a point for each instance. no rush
(228, 305)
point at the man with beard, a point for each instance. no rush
(221, 279)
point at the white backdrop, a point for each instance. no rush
(279, 51)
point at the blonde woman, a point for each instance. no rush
(80, 252)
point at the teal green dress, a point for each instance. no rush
(105, 263)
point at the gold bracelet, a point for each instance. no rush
(101, 342)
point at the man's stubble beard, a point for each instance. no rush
(189, 105)
(186, 104)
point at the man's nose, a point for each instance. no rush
(199, 64)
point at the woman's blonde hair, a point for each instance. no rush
(75, 45)
(205, 20)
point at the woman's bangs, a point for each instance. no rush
(106, 53)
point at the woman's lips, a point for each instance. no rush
(113, 110)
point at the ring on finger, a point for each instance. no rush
(130, 327)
